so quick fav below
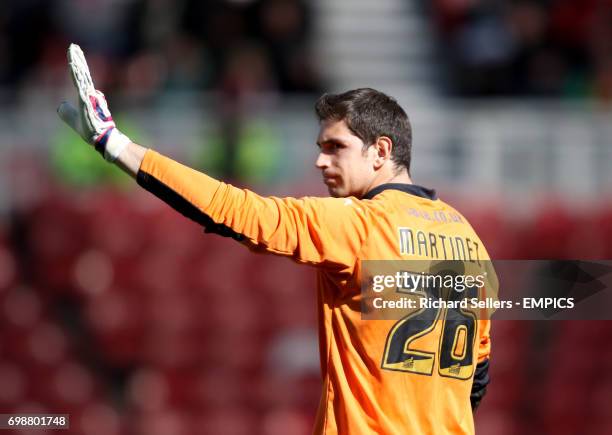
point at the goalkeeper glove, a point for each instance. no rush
(92, 120)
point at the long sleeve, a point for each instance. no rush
(321, 231)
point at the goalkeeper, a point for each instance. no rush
(385, 376)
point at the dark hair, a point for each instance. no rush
(370, 114)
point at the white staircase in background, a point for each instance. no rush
(385, 44)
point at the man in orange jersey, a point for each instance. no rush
(386, 376)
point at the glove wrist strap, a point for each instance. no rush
(111, 144)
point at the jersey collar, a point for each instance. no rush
(412, 189)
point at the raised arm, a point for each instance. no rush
(322, 231)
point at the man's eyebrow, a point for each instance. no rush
(329, 141)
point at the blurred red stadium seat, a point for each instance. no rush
(8, 266)
(550, 233)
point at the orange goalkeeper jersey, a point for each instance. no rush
(370, 385)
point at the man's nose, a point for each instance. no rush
(322, 161)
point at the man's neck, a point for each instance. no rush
(400, 177)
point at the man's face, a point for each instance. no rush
(346, 168)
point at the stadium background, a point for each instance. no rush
(116, 310)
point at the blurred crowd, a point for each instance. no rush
(141, 51)
(150, 46)
(559, 48)
(146, 47)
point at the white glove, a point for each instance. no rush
(92, 121)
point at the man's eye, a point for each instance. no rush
(330, 147)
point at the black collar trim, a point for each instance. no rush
(412, 189)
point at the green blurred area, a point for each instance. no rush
(257, 158)
(76, 163)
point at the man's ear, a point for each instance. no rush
(383, 147)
